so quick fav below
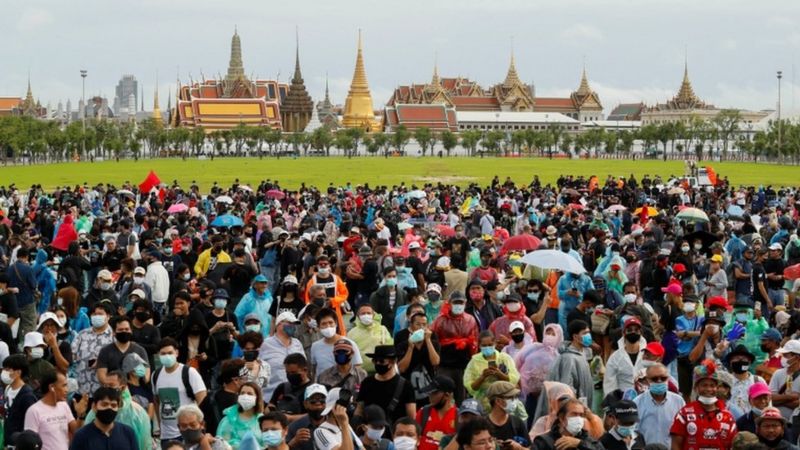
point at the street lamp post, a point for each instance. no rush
(780, 126)
(83, 109)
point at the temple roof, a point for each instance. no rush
(512, 78)
(685, 99)
(297, 100)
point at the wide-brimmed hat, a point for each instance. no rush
(383, 352)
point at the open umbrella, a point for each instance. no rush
(651, 211)
(402, 226)
(692, 215)
(226, 221)
(445, 230)
(576, 206)
(676, 191)
(615, 208)
(554, 260)
(246, 188)
(224, 199)
(521, 242)
(126, 192)
(570, 192)
(417, 194)
(277, 194)
(177, 208)
(735, 210)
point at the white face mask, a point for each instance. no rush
(689, 307)
(629, 298)
(37, 353)
(513, 306)
(706, 400)
(138, 280)
(5, 377)
(328, 332)
(405, 443)
(574, 425)
(247, 401)
(375, 435)
(366, 319)
(714, 328)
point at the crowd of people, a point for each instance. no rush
(591, 314)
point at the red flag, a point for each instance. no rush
(151, 181)
(712, 176)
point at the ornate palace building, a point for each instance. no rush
(358, 111)
(435, 104)
(225, 103)
(297, 107)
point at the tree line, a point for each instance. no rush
(25, 139)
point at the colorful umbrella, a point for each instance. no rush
(227, 221)
(692, 215)
(651, 212)
(615, 208)
(177, 208)
(445, 230)
(276, 194)
(522, 242)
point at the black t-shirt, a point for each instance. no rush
(289, 399)
(375, 392)
(111, 358)
(222, 339)
(294, 307)
(774, 266)
(458, 252)
(420, 365)
(416, 266)
(514, 427)
(66, 352)
(759, 276)
(369, 271)
(8, 305)
(576, 314)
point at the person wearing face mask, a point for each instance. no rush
(480, 305)
(257, 301)
(59, 351)
(507, 428)
(102, 289)
(687, 330)
(657, 406)
(623, 435)
(335, 289)
(242, 418)
(374, 389)
(299, 435)
(345, 373)
(486, 367)
(420, 350)
(157, 278)
(373, 429)
(51, 417)
(739, 362)
(286, 397)
(513, 311)
(174, 384)
(433, 307)
(134, 369)
(173, 324)
(438, 418)
(193, 432)
(519, 339)
(87, 345)
(620, 366)
(322, 351)
(273, 426)
(145, 333)
(705, 422)
(712, 343)
(34, 348)
(568, 430)
(388, 297)
(111, 356)
(590, 304)
(136, 282)
(571, 366)
(210, 257)
(369, 333)
(785, 390)
(277, 347)
(770, 342)
(130, 413)
(17, 395)
(104, 431)
(760, 398)
(221, 325)
(458, 337)
(571, 289)
(743, 274)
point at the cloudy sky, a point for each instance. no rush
(633, 49)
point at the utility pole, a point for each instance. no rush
(83, 110)
(780, 125)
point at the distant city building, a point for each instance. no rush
(225, 103)
(126, 87)
(685, 105)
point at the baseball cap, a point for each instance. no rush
(375, 416)
(440, 383)
(131, 361)
(679, 268)
(33, 339)
(716, 258)
(444, 261)
(286, 316)
(330, 400)
(772, 334)
(260, 279)
(718, 302)
(626, 412)
(776, 246)
(672, 288)
(516, 325)
(632, 321)
(470, 406)
(792, 346)
(758, 389)
(434, 287)
(655, 348)
(457, 296)
(139, 293)
(413, 245)
(104, 275)
(343, 344)
(138, 271)
(770, 413)
(315, 389)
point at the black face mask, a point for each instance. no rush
(250, 355)
(740, 367)
(771, 443)
(124, 337)
(315, 414)
(295, 379)
(142, 316)
(192, 436)
(382, 369)
(518, 337)
(633, 337)
(62, 336)
(106, 416)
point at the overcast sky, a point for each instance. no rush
(633, 49)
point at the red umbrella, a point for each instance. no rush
(276, 194)
(445, 230)
(522, 242)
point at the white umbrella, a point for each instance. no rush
(125, 192)
(555, 260)
(417, 194)
(246, 188)
(224, 199)
(402, 226)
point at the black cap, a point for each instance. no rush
(739, 350)
(457, 296)
(626, 412)
(26, 440)
(374, 415)
(440, 383)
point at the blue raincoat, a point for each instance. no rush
(258, 304)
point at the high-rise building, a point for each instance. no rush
(127, 86)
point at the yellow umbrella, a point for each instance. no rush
(652, 212)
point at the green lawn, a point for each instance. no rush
(374, 170)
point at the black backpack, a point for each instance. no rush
(67, 276)
(184, 377)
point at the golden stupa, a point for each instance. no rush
(358, 111)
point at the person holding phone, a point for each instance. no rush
(509, 431)
(486, 367)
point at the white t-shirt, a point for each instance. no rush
(171, 395)
(51, 423)
(328, 436)
(322, 355)
(781, 384)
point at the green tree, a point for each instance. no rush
(343, 140)
(491, 141)
(727, 124)
(425, 138)
(196, 139)
(356, 134)
(379, 141)
(400, 138)
(449, 141)
(470, 140)
(321, 140)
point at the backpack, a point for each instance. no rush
(67, 276)
(184, 377)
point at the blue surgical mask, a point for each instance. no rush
(488, 351)
(658, 388)
(168, 360)
(417, 336)
(586, 340)
(741, 317)
(289, 330)
(220, 303)
(98, 321)
(626, 431)
(253, 327)
(140, 370)
(271, 438)
(391, 282)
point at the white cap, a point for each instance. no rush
(104, 275)
(289, 279)
(433, 287)
(444, 261)
(413, 245)
(314, 389)
(140, 270)
(286, 316)
(139, 293)
(330, 400)
(49, 315)
(792, 346)
(516, 325)
(33, 339)
(776, 246)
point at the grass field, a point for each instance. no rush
(374, 170)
